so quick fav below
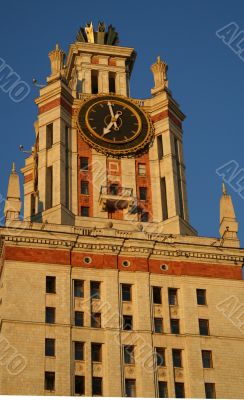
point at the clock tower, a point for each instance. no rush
(102, 156)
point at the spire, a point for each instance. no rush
(228, 224)
(56, 57)
(13, 204)
(159, 70)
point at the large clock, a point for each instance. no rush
(115, 125)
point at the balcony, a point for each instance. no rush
(114, 198)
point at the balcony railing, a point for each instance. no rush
(114, 198)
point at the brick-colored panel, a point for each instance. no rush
(37, 255)
(196, 269)
(101, 261)
(55, 103)
(136, 264)
(28, 178)
(165, 114)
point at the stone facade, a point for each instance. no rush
(76, 290)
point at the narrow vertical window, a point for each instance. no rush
(158, 325)
(129, 354)
(95, 320)
(201, 297)
(79, 351)
(162, 389)
(78, 288)
(173, 297)
(175, 326)
(179, 177)
(179, 390)
(79, 318)
(49, 187)
(50, 347)
(127, 322)
(160, 147)
(33, 204)
(204, 327)
(143, 193)
(97, 386)
(94, 81)
(84, 163)
(84, 187)
(130, 387)
(112, 88)
(164, 198)
(49, 136)
(79, 385)
(50, 381)
(84, 211)
(67, 169)
(96, 352)
(95, 288)
(210, 391)
(207, 359)
(126, 292)
(50, 284)
(177, 358)
(160, 356)
(50, 315)
(157, 299)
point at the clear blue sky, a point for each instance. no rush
(206, 78)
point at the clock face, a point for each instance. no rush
(114, 125)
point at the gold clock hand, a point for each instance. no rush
(112, 122)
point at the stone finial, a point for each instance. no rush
(90, 33)
(159, 70)
(228, 228)
(56, 57)
(13, 204)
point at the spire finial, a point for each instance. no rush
(13, 168)
(224, 191)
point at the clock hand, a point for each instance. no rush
(111, 109)
(113, 122)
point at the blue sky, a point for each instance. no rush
(205, 76)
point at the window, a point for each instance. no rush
(201, 297)
(84, 187)
(94, 81)
(160, 356)
(164, 199)
(204, 327)
(126, 292)
(157, 295)
(78, 288)
(160, 147)
(144, 216)
(158, 325)
(143, 193)
(79, 351)
(49, 137)
(112, 82)
(50, 381)
(49, 187)
(84, 163)
(173, 300)
(95, 320)
(84, 211)
(50, 347)
(179, 390)
(79, 385)
(97, 386)
(114, 189)
(141, 169)
(175, 326)
(130, 387)
(95, 290)
(129, 355)
(177, 358)
(79, 318)
(127, 322)
(162, 389)
(50, 315)
(210, 391)
(96, 352)
(33, 204)
(207, 359)
(50, 284)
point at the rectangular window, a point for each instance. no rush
(210, 391)
(201, 297)
(95, 320)
(79, 385)
(127, 322)
(79, 351)
(207, 359)
(49, 136)
(126, 292)
(96, 352)
(50, 284)
(175, 326)
(158, 325)
(112, 82)
(204, 327)
(160, 147)
(144, 216)
(157, 295)
(49, 187)
(177, 358)
(78, 288)
(130, 387)
(50, 347)
(94, 81)
(129, 355)
(33, 204)
(173, 298)
(164, 199)
(97, 386)
(114, 189)
(84, 187)
(84, 211)
(50, 315)
(50, 381)
(95, 290)
(160, 356)
(179, 390)
(84, 163)
(79, 318)
(162, 389)
(143, 193)
(141, 169)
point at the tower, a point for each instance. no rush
(106, 289)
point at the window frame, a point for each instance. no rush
(155, 295)
(96, 317)
(84, 214)
(47, 348)
(96, 348)
(97, 295)
(53, 284)
(198, 291)
(53, 319)
(47, 375)
(182, 385)
(79, 351)
(160, 358)
(86, 185)
(130, 354)
(212, 387)
(142, 171)
(133, 392)
(82, 379)
(201, 327)
(165, 384)
(85, 163)
(125, 325)
(79, 314)
(97, 392)
(175, 303)
(157, 319)
(76, 290)
(129, 286)
(175, 359)
(207, 362)
(172, 320)
(143, 193)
